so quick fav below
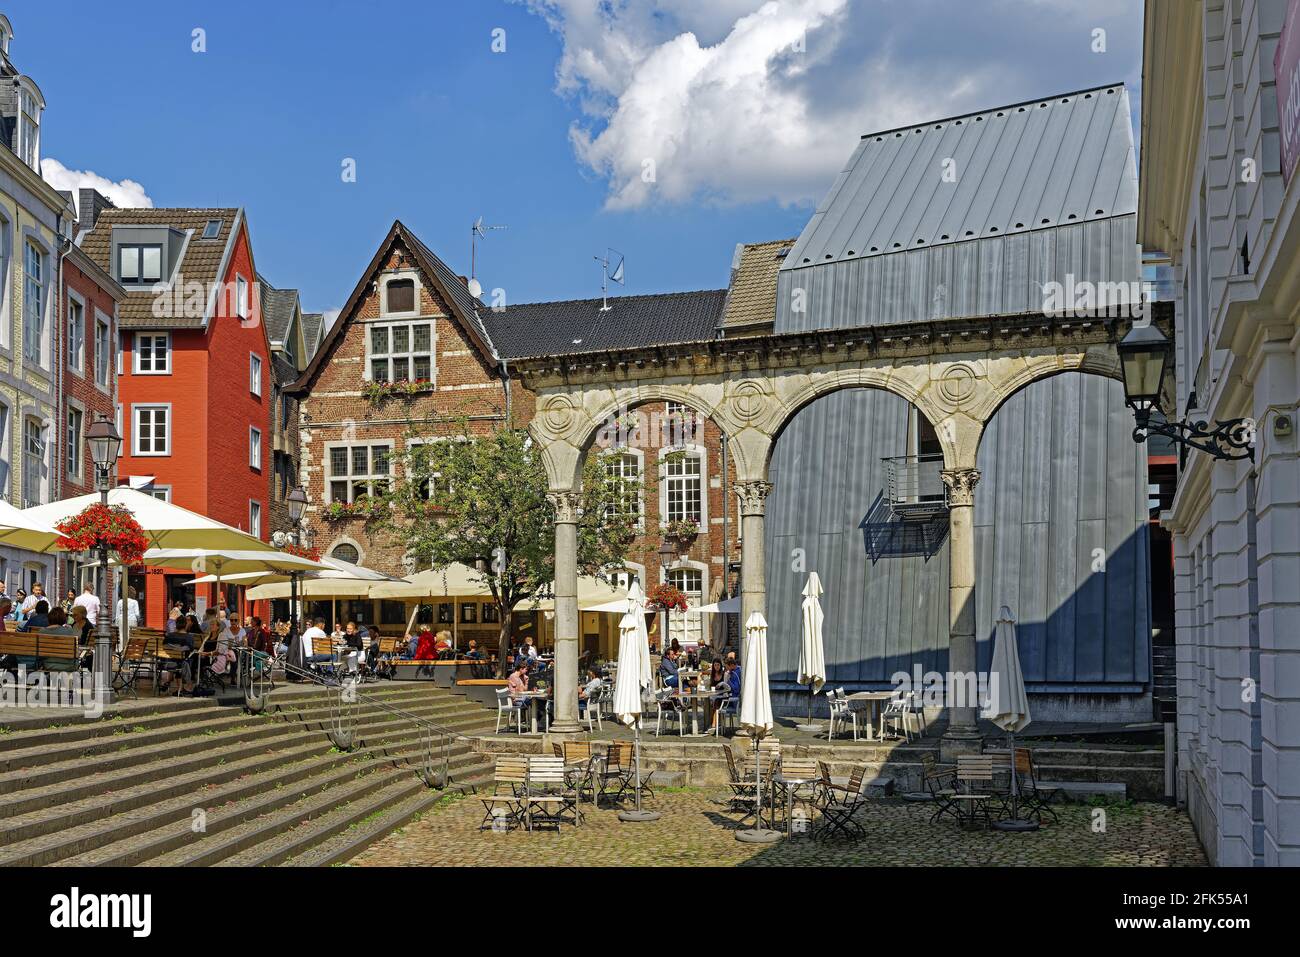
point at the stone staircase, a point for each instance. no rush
(195, 782)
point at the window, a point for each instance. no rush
(685, 626)
(103, 346)
(76, 335)
(255, 373)
(139, 264)
(212, 229)
(33, 462)
(345, 552)
(161, 492)
(255, 519)
(683, 487)
(255, 449)
(33, 303)
(241, 297)
(4, 451)
(29, 128)
(6, 248)
(76, 418)
(401, 352)
(623, 472)
(152, 429)
(356, 471)
(399, 296)
(153, 353)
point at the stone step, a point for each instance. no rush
(1081, 792)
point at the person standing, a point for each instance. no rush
(132, 610)
(89, 601)
(37, 595)
(69, 600)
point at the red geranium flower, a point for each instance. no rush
(99, 525)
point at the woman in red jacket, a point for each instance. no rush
(424, 647)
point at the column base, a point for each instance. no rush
(565, 727)
(957, 741)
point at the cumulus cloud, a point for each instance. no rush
(329, 316)
(744, 100)
(125, 193)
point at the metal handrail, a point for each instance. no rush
(254, 683)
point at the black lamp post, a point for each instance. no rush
(1146, 356)
(105, 445)
(667, 557)
(297, 500)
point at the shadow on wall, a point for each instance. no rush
(885, 535)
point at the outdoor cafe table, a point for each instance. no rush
(694, 700)
(532, 708)
(874, 701)
(790, 786)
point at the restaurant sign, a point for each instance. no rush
(1286, 72)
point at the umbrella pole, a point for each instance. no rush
(1014, 823)
(758, 834)
(637, 814)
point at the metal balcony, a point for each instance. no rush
(914, 490)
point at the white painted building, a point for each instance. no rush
(1215, 197)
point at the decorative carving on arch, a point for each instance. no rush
(753, 497)
(1100, 360)
(961, 486)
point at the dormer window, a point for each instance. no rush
(30, 106)
(139, 264)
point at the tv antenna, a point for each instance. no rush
(477, 231)
(608, 275)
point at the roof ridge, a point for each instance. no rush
(634, 295)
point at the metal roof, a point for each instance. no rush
(1030, 166)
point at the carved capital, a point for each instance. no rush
(961, 485)
(753, 497)
(566, 506)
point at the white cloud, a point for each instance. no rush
(743, 100)
(328, 317)
(126, 193)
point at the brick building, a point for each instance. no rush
(194, 371)
(290, 353)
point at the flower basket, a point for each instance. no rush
(683, 530)
(100, 525)
(665, 598)
(377, 392)
(302, 551)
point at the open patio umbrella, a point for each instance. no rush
(629, 694)
(21, 530)
(812, 654)
(1008, 706)
(756, 717)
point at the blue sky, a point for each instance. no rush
(745, 112)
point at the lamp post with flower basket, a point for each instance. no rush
(103, 528)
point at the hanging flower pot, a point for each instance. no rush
(665, 598)
(100, 525)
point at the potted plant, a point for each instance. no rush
(100, 525)
(682, 529)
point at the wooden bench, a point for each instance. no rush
(40, 651)
(482, 690)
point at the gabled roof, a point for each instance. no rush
(465, 309)
(1029, 166)
(751, 298)
(278, 308)
(202, 260)
(313, 323)
(576, 326)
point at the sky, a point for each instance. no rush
(668, 130)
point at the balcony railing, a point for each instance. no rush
(914, 489)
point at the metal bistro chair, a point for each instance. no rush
(969, 801)
(893, 719)
(667, 706)
(840, 803)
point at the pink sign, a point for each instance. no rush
(1286, 71)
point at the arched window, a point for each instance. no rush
(346, 552)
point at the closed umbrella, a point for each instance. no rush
(636, 604)
(1008, 706)
(629, 692)
(812, 655)
(756, 716)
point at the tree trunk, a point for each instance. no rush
(503, 641)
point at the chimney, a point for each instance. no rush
(90, 204)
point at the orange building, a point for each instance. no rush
(194, 374)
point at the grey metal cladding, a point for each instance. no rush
(970, 216)
(1074, 570)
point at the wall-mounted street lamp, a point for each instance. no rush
(1146, 356)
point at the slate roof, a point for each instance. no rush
(278, 306)
(282, 370)
(201, 261)
(312, 325)
(574, 326)
(751, 300)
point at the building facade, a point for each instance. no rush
(36, 225)
(194, 373)
(1218, 200)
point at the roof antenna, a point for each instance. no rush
(607, 275)
(475, 232)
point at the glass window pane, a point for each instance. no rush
(379, 460)
(379, 370)
(401, 370)
(401, 339)
(422, 342)
(338, 462)
(151, 265)
(422, 367)
(129, 263)
(379, 340)
(360, 460)
(338, 491)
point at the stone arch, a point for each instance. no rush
(1097, 360)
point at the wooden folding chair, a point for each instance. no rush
(840, 803)
(509, 790)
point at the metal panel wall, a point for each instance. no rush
(1060, 535)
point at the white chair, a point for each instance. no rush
(841, 714)
(507, 706)
(894, 716)
(595, 702)
(915, 712)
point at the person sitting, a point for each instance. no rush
(472, 651)
(316, 630)
(442, 645)
(39, 618)
(355, 643)
(668, 669)
(173, 621)
(425, 646)
(587, 692)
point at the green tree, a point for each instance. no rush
(479, 498)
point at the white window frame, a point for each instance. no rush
(678, 626)
(639, 455)
(255, 374)
(30, 107)
(34, 335)
(699, 452)
(161, 492)
(136, 368)
(136, 409)
(76, 444)
(255, 518)
(409, 355)
(397, 276)
(77, 349)
(622, 577)
(139, 282)
(241, 297)
(43, 464)
(354, 479)
(255, 448)
(102, 319)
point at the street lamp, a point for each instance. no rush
(105, 444)
(667, 558)
(297, 500)
(1146, 357)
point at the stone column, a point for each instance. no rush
(753, 575)
(962, 735)
(565, 697)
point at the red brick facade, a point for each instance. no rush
(92, 295)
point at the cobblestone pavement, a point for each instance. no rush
(696, 830)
